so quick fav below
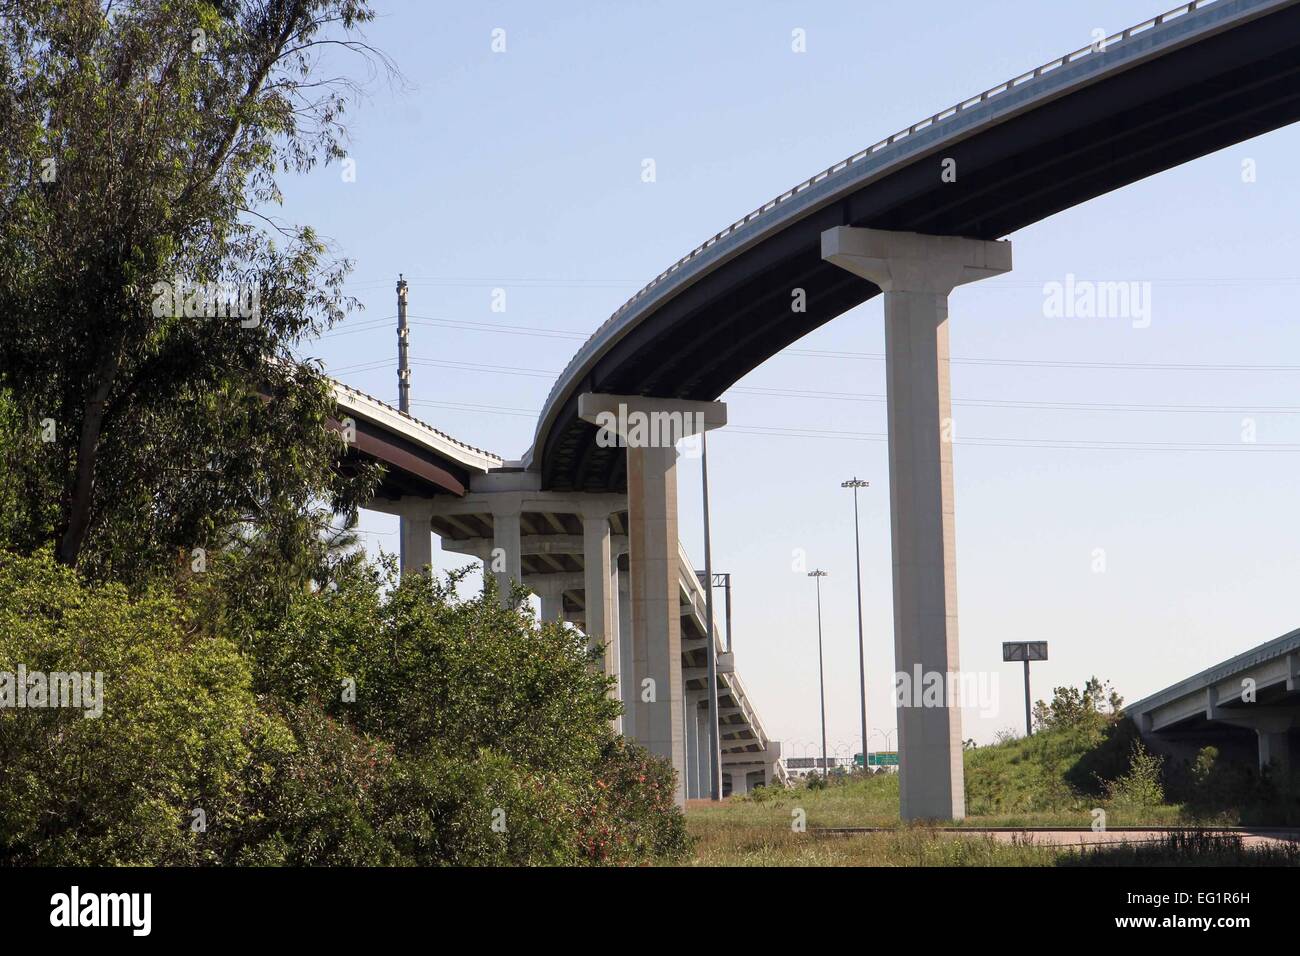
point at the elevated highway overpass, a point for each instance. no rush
(1202, 77)
(910, 218)
(475, 503)
(1248, 705)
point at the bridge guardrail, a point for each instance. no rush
(777, 203)
(1092, 48)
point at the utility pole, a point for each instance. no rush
(855, 483)
(715, 745)
(821, 669)
(403, 365)
(403, 387)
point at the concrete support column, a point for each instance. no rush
(551, 596)
(769, 767)
(703, 765)
(739, 781)
(1274, 749)
(601, 622)
(656, 623)
(916, 274)
(616, 611)
(649, 428)
(505, 561)
(415, 536)
(691, 706)
(627, 686)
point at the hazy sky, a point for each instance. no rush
(1077, 438)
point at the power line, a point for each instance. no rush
(437, 363)
(494, 409)
(816, 395)
(820, 395)
(1010, 282)
(777, 431)
(465, 324)
(543, 282)
(371, 325)
(538, 331)
(362, 367)
(495, 369)
(500, 327)
(998, 442)
(1049, 363)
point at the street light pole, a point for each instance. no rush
(855, 483)
(710, 654)
(821, 669)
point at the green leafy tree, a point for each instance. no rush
(140, 144)
(1093, 705)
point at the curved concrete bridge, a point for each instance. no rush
(911, 217)
(1248, 705)
(572, 551)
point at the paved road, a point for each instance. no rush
(1048, 836)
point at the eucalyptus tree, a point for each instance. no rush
(150, 297)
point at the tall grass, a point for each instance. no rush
(1086, 767)
(1187, 848)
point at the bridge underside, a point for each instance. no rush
(480, 507)
(1248, 707)
(1199, 79)
(1156, 115)
(553, 564)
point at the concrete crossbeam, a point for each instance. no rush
(532, 544)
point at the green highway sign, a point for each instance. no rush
(885, 758)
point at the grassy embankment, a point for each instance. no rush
(1058, 778)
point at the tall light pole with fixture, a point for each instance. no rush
(710, 654)
(821, 669)
(855, 483)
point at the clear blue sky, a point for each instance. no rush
(522, 170)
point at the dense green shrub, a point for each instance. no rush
(363, 722)
(629, 814)
(1139, 786)
(178, 732)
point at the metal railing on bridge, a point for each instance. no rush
(1094, 48)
